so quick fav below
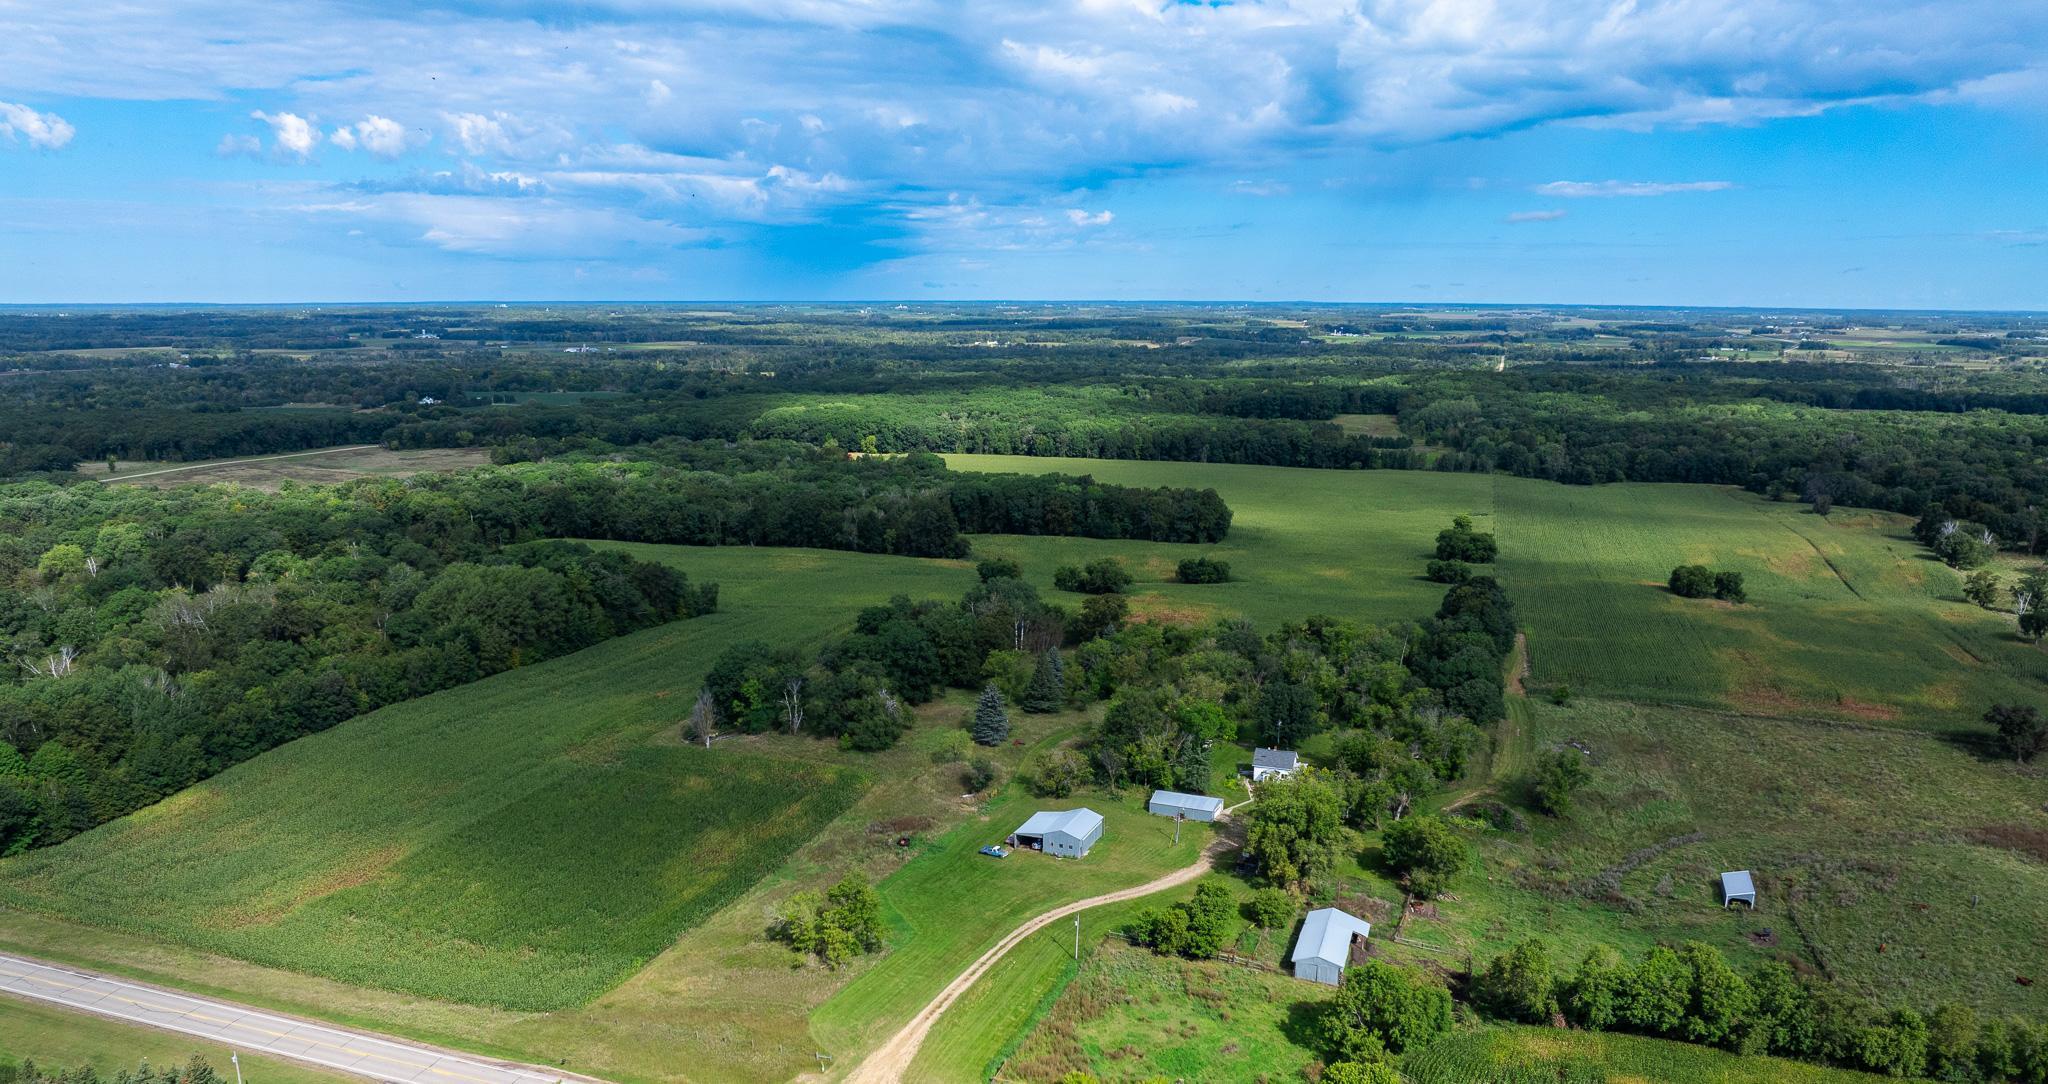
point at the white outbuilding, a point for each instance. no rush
(1738, 886)
(1324, 948)
(1195, 807)
(1270, 762)
(1066, 833)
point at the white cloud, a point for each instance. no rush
(1610, 189)
(290, 133)
(510, 228)
(1261, 188)
(658, 93)
(47, 131)
(1519, 217)
(381, 136)
(234, 145)
(1082, 218)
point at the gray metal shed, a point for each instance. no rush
(1195, 807)
(1067, 833)
(1738, 886)
(1324, 947)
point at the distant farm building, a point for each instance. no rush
(1195, 807)
(1738, 886)
(1067, 833)
(1268, 762)
(1324, 948)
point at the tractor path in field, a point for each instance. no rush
(891, 1062)
(257, 1031)
(115, 478)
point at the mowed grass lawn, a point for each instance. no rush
(60, 1039)
(1848, 617)
(952, 904)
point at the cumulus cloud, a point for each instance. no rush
(290, 133)
(1083, 218)
(1518, 217)
(1611, 189)
(20, 124)
(380, 136)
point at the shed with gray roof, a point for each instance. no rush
(1195, 807)
(1324, 948)
(1738, 886)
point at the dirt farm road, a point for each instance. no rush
(891, 1061)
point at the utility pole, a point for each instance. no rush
(237, 1059)
(1077, 937)
(1177, 818)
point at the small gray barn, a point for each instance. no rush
(1195, 807)
(1324, 947)
(1738, 886)
(1267, 762)
(1066, 833)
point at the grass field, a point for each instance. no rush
(1896, 861)
(60, 1039)
(1848, 617)
(1528, 1055)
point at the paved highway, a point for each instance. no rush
(254, 1030)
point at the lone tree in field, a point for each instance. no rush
(1559, 775)
(1048, 688)
(2021, 728)
(703, 718)
(1460, 542)
(991, 718)
(1425, 852)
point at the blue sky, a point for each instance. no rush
(1870, 153)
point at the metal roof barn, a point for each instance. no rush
(1066, 833)
(1195, 807)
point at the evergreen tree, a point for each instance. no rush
(991, 719)
(1048, 688)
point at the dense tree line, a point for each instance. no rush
(1691, 994)
(154, 638)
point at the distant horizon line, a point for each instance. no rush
(900, 302)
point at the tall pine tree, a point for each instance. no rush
(1048, 688)
(991, 719)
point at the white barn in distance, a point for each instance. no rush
(1738, 886)
(1271, 762)
(1067, 833)
(1324, 948)
(1195, 807)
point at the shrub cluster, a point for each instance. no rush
(843, 922)
(1102, 576)
(1202, 570)
(1699, 581)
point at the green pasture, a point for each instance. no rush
(1848, 617)
(1531, 1055)
(1897, 862)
